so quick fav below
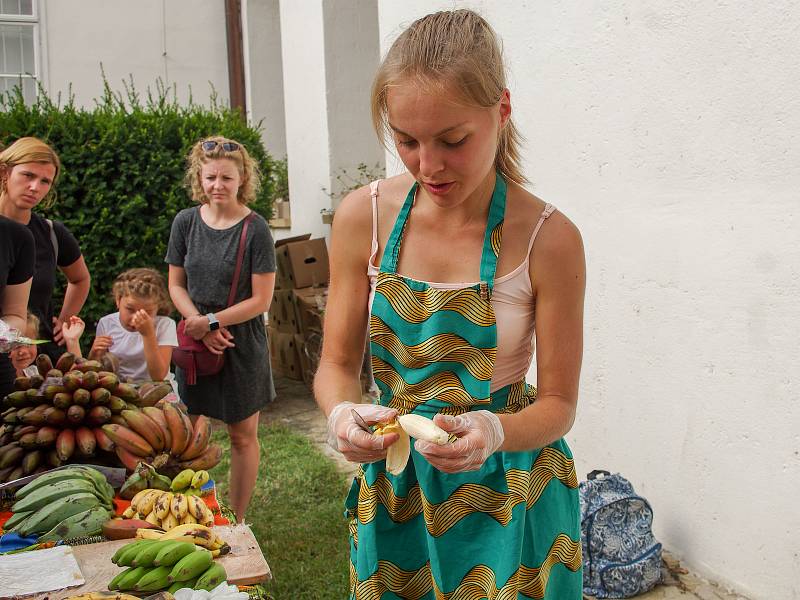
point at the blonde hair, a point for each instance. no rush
(144, 283)
(247, 166)
(32, 323)
(30, 150)
(457, 47)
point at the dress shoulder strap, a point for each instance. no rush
(373, 192)
(549, 209)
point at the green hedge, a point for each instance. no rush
(123, 167)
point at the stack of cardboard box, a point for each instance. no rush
(298, 306)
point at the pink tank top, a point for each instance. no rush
(512, 301)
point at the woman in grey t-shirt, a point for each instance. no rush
(203, 244)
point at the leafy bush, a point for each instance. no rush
(122, 177)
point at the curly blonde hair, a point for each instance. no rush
(246, 165)
(30, 150)
(144, 283)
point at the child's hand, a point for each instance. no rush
(143, 323)
(100, 346)
(72, 329)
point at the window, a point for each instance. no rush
(18, 47)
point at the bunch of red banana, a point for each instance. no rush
(165, 437)
(56, 416)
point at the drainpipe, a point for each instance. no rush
(233, 31)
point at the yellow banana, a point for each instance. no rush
(182, 480)
(188, 518)
(162, 505)
(169, 522)
(146, 502)
(196, 506)
(153, 519)
(128, 513)
(179, 506)
(149, 534)
(397, 454)
(137, 498)
(200, 479)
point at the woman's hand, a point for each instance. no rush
(217, 341)
(100, 346)
(355, 444)
(142, 322)
(479, 433)
(72, 329)
(197, 326)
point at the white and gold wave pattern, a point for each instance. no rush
(416, 306)
(479, 582)
(444, 386)
(442, 347)
(523, 486)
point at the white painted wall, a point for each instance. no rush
(669, 133)
(180, 41)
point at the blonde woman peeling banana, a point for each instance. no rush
(468, 488)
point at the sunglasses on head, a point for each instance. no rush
(210, 145)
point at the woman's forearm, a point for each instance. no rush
(548, 419)
(182, 301)
(242, 311)
(74, 298)
(335, 383)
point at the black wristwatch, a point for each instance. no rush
(213, 323)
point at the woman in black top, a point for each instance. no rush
(16, 271)
(28, 171)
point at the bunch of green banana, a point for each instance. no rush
(189, 482)
(154, 565)
(167, 510)
(63, 504)
(143, 478)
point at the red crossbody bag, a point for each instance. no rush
(192, 355)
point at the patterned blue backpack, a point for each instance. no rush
(621, 557)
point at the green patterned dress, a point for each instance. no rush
(507, 531)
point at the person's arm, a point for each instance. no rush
(179, 293)
(78, 284)
(71, 331)
(156, 357)
(15, 304)
(346, 312)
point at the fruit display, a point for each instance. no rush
(164, 437)
(185, 560)
(167, 510)
(63, 504)
(408, 426)
(77, 409)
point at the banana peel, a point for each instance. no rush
(406, 427)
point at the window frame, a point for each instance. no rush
(34, 21)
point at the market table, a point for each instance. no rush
(245, 564)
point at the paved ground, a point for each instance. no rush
(296, 408)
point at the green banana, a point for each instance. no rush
(159, 481)
(114, 583)
(16, 518)
(47, 495)
(179, 585)
(153, 580)
(191, 565)
(200, 479)
(133, 485)
(82, 524)
(48, 479)
(131, 577)
(124, 548)
(21, 524)
(211, 577)
(146, 556)
(182, 480)
(131, 550)
(172, 552)
(47, 517)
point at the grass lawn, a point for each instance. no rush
(296, 515)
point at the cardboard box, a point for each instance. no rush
(301, 264)
(309, 308)
(282, 313)
(287, 357)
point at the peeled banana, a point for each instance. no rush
(407, 426)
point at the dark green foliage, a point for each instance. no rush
(122, 177)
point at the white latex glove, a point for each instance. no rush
(355, 444)
(479, 434)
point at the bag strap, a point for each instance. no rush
(239, 258)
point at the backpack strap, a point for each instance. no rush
(53, 238)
